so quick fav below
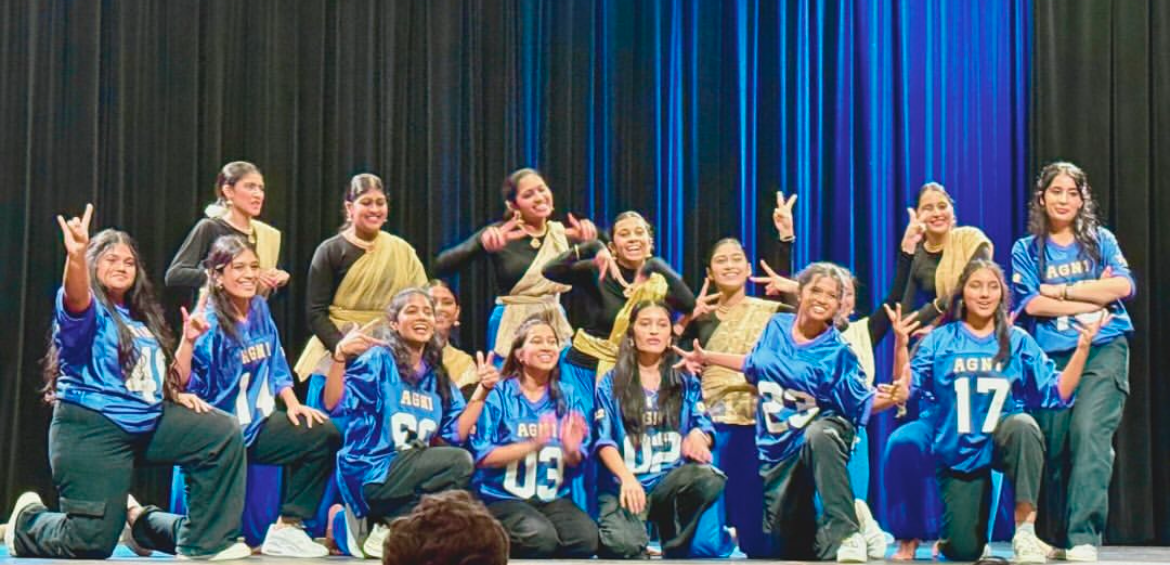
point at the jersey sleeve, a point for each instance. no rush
(699, 418)
(488, 432)
(361, 382)
(849, 393)
(75, 331)
(922, 364)
(279, 373)
(605, 415)
(1025, 275)
(1112, 256)
(1039, 387)
(199, 383)
(449, 426)
(764, 353)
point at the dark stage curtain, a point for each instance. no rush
(1101, 98)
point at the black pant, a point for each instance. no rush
(541, 530)
(1074, 501)
(789, 487)
(93, 461)
(413, 473)
(307, 455)
(674, 505)
(1019, 454)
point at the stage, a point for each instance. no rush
(1108, 555)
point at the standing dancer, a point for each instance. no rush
(649, 418)
(239, 199)
(935, 252)
(353, 276)
(407, 418)
(529, 443)
(519, 248)
(982, 373)
(112, 410)
(812, 398)
(239, 366)
(1071, 270)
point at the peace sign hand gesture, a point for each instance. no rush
(195, 324)
(782, 216)
(486, 371)
(903, 326)
(355, 343)
(705, 303)
(75, 232)
(914, 232)
(580, 230)
(495, 238)
(776, 284)
(691, 361)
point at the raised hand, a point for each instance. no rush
(356, 342)
(782, 216)
(311, 415)
(272, 279)
(697, 446)
(195, 324)
(485, 369)
(580, 230)
(903, 326)
(75, 232)
(1088, 330)
(776, 284)
(691, 361)
(545, 429)
(607, 266)
(573, 431)
(495, 238)
(705, 303)
(914, 233)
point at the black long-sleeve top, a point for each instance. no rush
(331, 262)
(510, 263)
(186, 270)
(606, 298)
(920, 291)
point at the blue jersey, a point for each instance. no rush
(509, 417)
(388, 415)
(90, 374)
(973, 393)
(241, 377)
(660, 448)
(798, 383)
(1067, 265)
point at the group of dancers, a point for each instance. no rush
(707, 422)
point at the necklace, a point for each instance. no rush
(537, 238)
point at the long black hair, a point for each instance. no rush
(432, 353)
(220, 256)
(1085, 224)
(140, 302)
(627, 381)
(956, 311)
(513, 368)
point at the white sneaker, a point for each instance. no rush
(852, 550)
(22, 503)
(373, 545)
(875, 539)
(1028, 548)
(238, 550)
(1083, 552)
(291, 541)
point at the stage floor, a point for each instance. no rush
(1108, 556)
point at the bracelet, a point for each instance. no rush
(788, 239)
(577, 251)
(1064, 292)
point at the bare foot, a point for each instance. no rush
(906, 550)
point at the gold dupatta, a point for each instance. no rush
(389, 266)
(460, 366)
(605, 350)
(534, 294)
(730, 398)
(857, 336)
(960, 246)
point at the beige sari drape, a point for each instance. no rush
(730, 398)
(533, 294)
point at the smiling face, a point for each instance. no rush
(239, 278)
(729, 268)
(1061, 199)
(632, 243)
(533, 199)
(368, 211)
(820, 299)
(117, 269)
(446, 309)
(652, 330)
(247, 194)
(415, 322)
(936, 212)
(540, 350)
(982, 295)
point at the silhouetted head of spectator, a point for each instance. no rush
(448, 528)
